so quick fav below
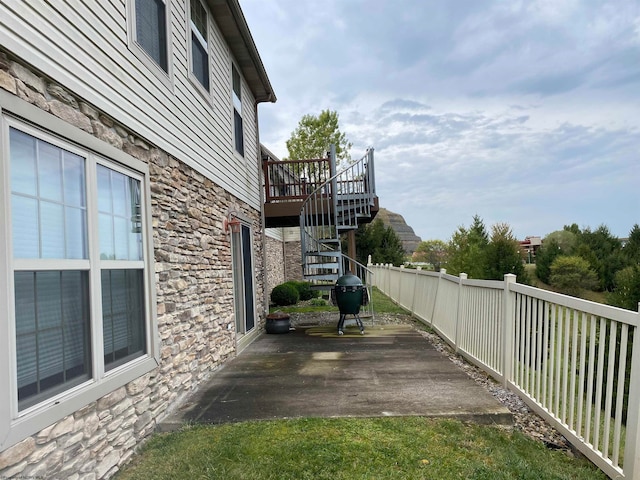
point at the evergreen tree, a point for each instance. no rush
(503, 254)
(545, 257)
(631, 249)
(382, 243)
(467, 250)
(603, 251)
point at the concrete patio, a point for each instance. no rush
(392, 370)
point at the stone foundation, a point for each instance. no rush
(194, 288)
(275, 274)
(292, 260)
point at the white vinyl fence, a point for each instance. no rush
(573, 361)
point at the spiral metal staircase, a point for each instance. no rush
(328, 206)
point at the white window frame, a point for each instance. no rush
(191, 28)
(16, 425)
(141, 54)
(236, 106)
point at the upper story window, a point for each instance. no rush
(199, 43)
(149, 36)
(151, 33)
(237, 111)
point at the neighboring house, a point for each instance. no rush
(529, 248)
(131, 240)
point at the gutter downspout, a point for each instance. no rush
(265, 301)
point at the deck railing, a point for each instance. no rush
(573, 361)
(288, 180)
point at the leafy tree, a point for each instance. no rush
(566, 240)
(467, 250)
(572, 274)
(503, 254)
(626, 293)
(382, 243)
(313, 136)
(433, 252)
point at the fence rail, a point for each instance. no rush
(571, 360)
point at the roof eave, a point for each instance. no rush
(230, 19)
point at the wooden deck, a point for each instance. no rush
(288, 183)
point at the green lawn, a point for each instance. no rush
(381, 304)
(379, 448)
(350, 448)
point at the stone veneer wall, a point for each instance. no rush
(194, 290)
(275, 263)
(292, 260)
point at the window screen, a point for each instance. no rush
(52, 333)
(122, 316)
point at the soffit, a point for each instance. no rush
(230, 19)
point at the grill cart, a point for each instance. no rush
(349, 294)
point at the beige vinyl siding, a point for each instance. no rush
(84, 46)
(277, 233)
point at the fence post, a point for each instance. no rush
(507, 328)
(402, 269)
(388, 285)
(463, 276)
(631, 453)
(435, 297)
(415, 288)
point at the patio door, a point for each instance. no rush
(243, 279)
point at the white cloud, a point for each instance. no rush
(523, 112)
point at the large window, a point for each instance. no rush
(237, 111)
(78, 266)
(151, 30)
(199, 43)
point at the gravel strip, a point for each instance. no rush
(526, 421)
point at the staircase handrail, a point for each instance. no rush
(335, 205)
(371, 191)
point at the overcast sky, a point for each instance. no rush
(525, 112)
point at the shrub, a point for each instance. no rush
(285, 294)
(304, 289)
(318, 302)
(626, 293)
(572, 274)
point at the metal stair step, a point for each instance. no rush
(329, 241)
(330, 277)
(322, 286)
(327, 265)
(334, 253)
